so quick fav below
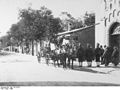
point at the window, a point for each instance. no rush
(105, 22)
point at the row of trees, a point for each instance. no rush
(37, 25)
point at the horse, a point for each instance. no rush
(55, 57)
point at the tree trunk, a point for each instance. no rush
(40, 44)
(22, 48)
(41, 47)
(32, 47)
(36, 47)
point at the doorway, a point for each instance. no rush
(114, 36)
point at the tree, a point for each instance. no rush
(5, 41)
(16, 33)
(89, 19)
(39, 24)
(35, 25)
(69, 22)
(55, 28)
(28, 17)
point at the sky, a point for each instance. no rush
(9, 9)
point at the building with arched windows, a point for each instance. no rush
(108, 31)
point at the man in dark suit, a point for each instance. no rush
(98, 54)
(80, 55)
(115, 56)
(107, 55)
(89, 54)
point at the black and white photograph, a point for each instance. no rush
(59, 43)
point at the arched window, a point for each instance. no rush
(114, 12)
(105, 22)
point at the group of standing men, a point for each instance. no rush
(100, 55)
(89, 54)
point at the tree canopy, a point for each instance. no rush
(35, 25)
(41, 24)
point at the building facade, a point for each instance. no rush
(85, 35)
(108, 31)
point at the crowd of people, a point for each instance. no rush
(65, 55)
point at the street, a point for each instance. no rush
(24, 70)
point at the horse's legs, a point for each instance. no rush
(47, 60)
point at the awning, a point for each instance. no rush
(116, 31)
(76, 30)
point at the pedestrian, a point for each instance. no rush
(89, 55)
(47, 54)
(57, 51)
(39, 57)
(107, 55)
(53, 56)
(73, 56)
(80, 55)
(63, 56)
(69, 55)
(97, 55)
(105, 47)
(102, 51)
(115, 56)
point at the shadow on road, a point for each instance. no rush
(90, 69)
(110, 68)
(87, 69)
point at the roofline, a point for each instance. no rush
(76, 30)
